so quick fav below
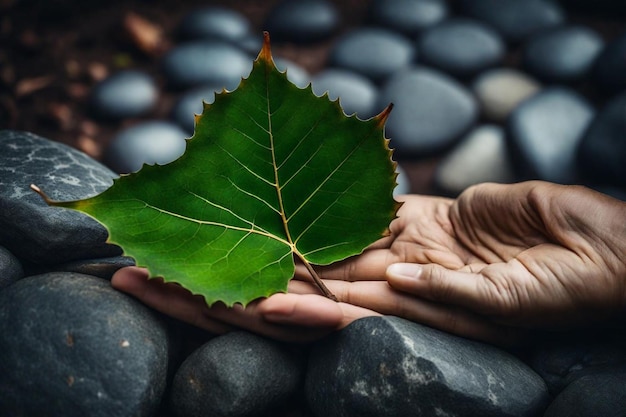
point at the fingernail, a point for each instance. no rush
(412, 271)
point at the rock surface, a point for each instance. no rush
(10, 268)
(609, 71)
(461, 47)
(431, 111)
(190, 104)
(480, 156)
(237, 374)
(356, 93)
(602, 152)
(387, 366)
(214, 22)
(409, 17)
(126, 94)
(545, 132)
(29, 228)
(302, 21)
(73, 346)
(373, 52)
(153, 142)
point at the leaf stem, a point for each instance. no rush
(318, 281)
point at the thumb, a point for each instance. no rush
(436, 283)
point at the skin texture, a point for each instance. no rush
(491, 265)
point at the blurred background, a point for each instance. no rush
(484, 90)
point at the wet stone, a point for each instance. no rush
(153, 142)
(515, 20)
(388, 366)
(29, 228)
(214, 22)
(481, 156)
(10, 268)
(372, 52)
(564, 54)
(409, 17)
(499, 91)
(545, 132)
(602, 152)
(356, 93)
(302, 21)
(461, 47)
(125, 94)
(431, 111)
(71, 345)
(190, 104)
(609, 71)
(206, 62)
(237, 375)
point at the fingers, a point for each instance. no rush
(168, 298)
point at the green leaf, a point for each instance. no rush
(272, 173)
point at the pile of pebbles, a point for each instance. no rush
(72, 345)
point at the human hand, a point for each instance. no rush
(499, 259)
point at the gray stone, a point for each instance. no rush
(481, 156)
(602, 152)
(101, 268)
(562, 361)
(214, 22)
(461, 47)
(388, 366)
(206, 62)
(238, 374)
(10, 268)
(601, 394)
(152, 142)
(564, 54)
(73, 346)
(516, 20)
(409, 17)
(125, 94)
(295, 73)
(29, 228)
(545, 132)
(373, 52)
(501, 90)
(356, 93)
(431, 111)
(302, 21)
(404, 184)
(190, 104)
(609, 71)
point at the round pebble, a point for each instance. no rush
(562, 55)
(153, 142)
(128, 93)
(545, 132)
(431, 111)
(373, 52)
(602, 152)
(214, 22)
(190, 104)
(206, 62)
(409, 17)
(481, 156)
(461, 47)
(609, 71)
(356, 93)
(10, 268)
(515, 20)
(302, 21)
(501, 90)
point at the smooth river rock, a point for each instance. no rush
(214, 22)
(73, 346)
(11, 269)
(238, 374)
(431, 111)
(190, 104)
(29, 228)
(302, 21)
(409, 17)
(388, 366)
(126, 94)
(356, 93)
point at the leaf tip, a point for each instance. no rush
(41, 194)
(384, 115)
(266, 52)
